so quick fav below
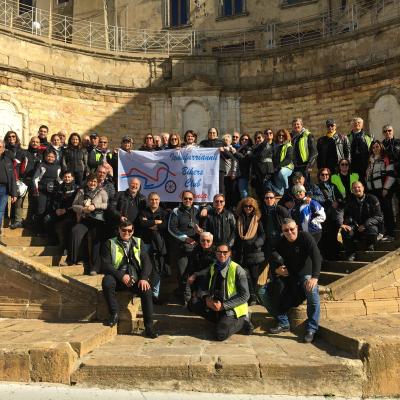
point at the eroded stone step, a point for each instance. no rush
(366, 256)
(342, 266)
(24, 241)
(7, 232)
(29, 251)
(325, 277)
(195, 363)
(53, 260)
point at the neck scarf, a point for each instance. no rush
(251, 232)
(330, 134)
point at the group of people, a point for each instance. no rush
(267, 210)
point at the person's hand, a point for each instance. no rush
(197, 229)
(310, 284)
(126, 280)
(123, 219)
(346, 228)
(210, 303)
(158, 221)
(217, 306)
(282, 271)
(221, 149)
(191, 279)
(307, 199)
(143, 285)
(116, 150)
(190, 241)
(361, 228)
(91, 207)
(13, 199)
(203, 212)
(60, 211)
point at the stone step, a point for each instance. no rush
(387, 246)
(342, 266)
(258, 364)
(7, 232)
(49, 261)
(24, 241)
(325, 277)
(94, 281)
(29, 251)
(367, 256)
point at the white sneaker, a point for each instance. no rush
(379, 237)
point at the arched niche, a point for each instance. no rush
(385, 111)
(195, 116)
(13, 117)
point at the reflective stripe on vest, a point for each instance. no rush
(335, 180)
(230, 280)
(117, 252)
(283, 154)
(303, 146)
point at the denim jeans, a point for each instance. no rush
(313, 306)
(280, 181)
(243, 185)
(3, 202)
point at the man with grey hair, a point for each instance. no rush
(360, 142)
(164, 140)
(391, 144)
(305, 150)
(8, 185)
(295, 266)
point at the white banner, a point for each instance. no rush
(169, 172)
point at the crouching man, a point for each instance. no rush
(295, 265)
(223, 296)
(127, 267)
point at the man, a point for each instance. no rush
(332, 148)
(295, 266)
(42, 134)
(100, 155)
(361, 221)
(8, 185)
(235, 140)
(360, 142)
(184, 228)
(105, 181)
(223, 296)
(164, 140)
(304, 149)
(391, 145)
(93, 142)
(62, 134)
(126, 145)
(127, 267)
(127, 204)
(219, 221)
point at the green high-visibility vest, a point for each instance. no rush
(303, 145)
(117, 252)
(230, 282)
(283, 154)
(335, 180)
(367, 138)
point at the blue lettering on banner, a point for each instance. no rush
(191, 171)
(192, 183)
(192, 157)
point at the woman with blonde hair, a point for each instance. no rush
(249, 242)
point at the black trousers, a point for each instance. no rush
(111, 285)
(226, 325)
(368, 237)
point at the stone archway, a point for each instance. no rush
(195, 116)
(13, 117)
(386, 110)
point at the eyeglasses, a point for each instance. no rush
(126, 230)
(12, 136)
(219, 201)
(248, 206)
(173, 139)
(323, 174)
(222, 253)
(235, 137)
(288, 230)
(149, 137)
(206, 240)
(269, 197)
(385, 131)
(258, 138)
(244, 138)
(280, 135)
(188, 198)
(330, 125)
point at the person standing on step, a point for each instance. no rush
(223, 296)
(127, 266)
(295, 266)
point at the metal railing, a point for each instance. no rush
(84, 33)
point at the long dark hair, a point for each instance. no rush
(74, 134)
(7, 138)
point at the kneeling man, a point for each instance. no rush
(295, 266)
(127, 267)
(223, 296)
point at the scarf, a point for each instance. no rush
(330, 134)
(251, 232)
(220, 266)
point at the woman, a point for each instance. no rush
(148, 143)
(243, 155)
(89, 205)
(262, 167)
(309, 215)
(17, 154)
(190, 139)
(248, 247)
(45, 182)
(343, 181)
(231, 167)
(56, 146)
(153, 222)
(380, 178)
(75, 159)
(283, 162)
(329, 245)
(174, 142)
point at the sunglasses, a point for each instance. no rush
(205, 240)
(188, 198)
(330, 125)
(323, 174)
(385, 131)
(235, 137)
(288, 230)
(126, 230)
(269, 197)
(12, 136)
(221, 252)
(174, 138)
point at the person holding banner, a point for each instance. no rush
(184, 228)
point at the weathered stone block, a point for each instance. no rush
(365, 293)
(14, 366)
(386, 293)
(381, 306)
(343, 309)
(384, 282)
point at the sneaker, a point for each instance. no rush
(387, 239)
(351, 257)
(93, 273)
(279, 329)
(16, 225)
(379, 237)
(309, 337)
(371, 247)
